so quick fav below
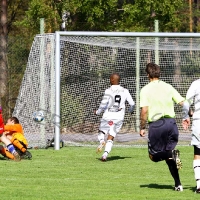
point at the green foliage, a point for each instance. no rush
(76, 173)
(40, 9)
(140, 16)
(110, 15)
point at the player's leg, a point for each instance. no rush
(103, 129)
(196, 167)
(108, 147)
(6, 141)
(196, 162)
(163, 138)
(18, 144)
(157, 141)
(172, 141)
(6, 153)
(10, 147)
(174, 172)
(115, 127)
(102, 142)
(174, 163)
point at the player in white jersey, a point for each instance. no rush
(113, 105)
(193, 96)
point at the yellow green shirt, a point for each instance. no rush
(159, 97)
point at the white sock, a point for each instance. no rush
(108, 146)
(105, 154)
(101, 137)
(196, 166)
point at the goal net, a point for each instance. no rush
(86, 63)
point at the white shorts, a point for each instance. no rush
(196, 133)
(111, 127)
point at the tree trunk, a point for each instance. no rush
(3, 48)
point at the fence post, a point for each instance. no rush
(41, 25)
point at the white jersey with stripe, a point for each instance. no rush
(193, 96)
(113, 102)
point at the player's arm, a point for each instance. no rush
(187, 111)
(131, 102)
(143, 120)
(6, 132)
(103, 105)
(185, 108)
(144, 105)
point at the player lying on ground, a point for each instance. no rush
(6, 141)
(14, 132)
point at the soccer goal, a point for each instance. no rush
(67, 73)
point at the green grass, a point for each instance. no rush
(77, 173)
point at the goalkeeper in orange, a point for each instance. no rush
(14, 132)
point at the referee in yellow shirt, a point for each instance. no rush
(157, 108)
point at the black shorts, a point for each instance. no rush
(163, 135)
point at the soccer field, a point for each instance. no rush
(77, 173)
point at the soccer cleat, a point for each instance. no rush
(103, 158)
(16, 157)
(179, 188)
(26, 155)
(100, 147)
(197, 191)
(175, 156)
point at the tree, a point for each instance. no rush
(108, 15)
(3, 47)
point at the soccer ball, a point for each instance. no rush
(38, 116)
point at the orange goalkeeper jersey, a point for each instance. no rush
(16, 131)
(14, 128)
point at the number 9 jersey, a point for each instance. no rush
(113, 103)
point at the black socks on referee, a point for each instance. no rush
(174, 171)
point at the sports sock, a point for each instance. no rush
(174, 171)
(11, 148)
(101, 136)
(6, 153)
(108, 146)
(196, 166)
(105, 154)
(17, 144)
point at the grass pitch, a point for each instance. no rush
(76, 173)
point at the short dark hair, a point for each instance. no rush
(16, 121)
(153, 70)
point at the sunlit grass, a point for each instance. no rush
(77, 173)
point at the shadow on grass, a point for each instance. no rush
(154, 185)
(4, 159)
(114, 158)
(157, 186)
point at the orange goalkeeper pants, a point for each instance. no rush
(6, 153)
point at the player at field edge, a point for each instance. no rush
(14, 132)
(6, 141)
(193, 96)
(157, 108)
(113, 106)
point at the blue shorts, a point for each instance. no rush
(163, 135)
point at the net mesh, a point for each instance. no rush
(86, 64)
